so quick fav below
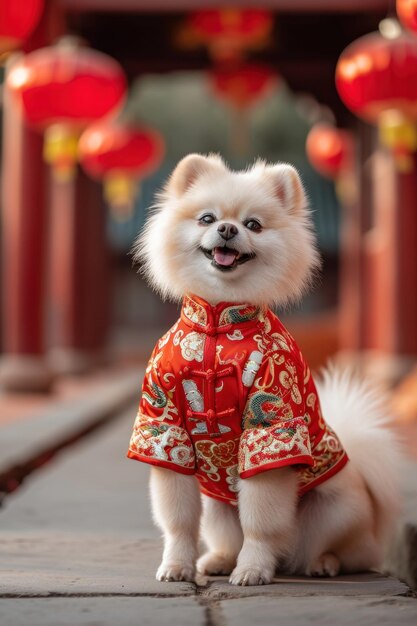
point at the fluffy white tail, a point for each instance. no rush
(360, 416)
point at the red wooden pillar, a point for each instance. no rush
(355, 222)
(406, 245)
(22, 367)
(349, 318)
(78, 275)
(390, 271)
(381, 252)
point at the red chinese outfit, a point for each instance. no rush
(227, 394)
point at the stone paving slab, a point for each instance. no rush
(90, 488)
(101, 612)
(326, 611)
(402, 556)
(59, 564)
(50, 564)
(367, 584)
(82, 527)
(22, 440)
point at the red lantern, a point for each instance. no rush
(377, 80)
(18, 19)
(62, 89)
(407, 12)
(122, 155)
(243, 86)
(227, 32)
(329, 149)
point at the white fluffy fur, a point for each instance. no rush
(360, 415)
(176, 509)
(342, 525)
(286, 254)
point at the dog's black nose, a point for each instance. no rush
(227, 231)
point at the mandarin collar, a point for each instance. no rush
(212, 320)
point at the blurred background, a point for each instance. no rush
(101, 98)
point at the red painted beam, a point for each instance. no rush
(336, 6)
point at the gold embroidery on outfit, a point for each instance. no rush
(161, 441)
(226, 395)
(192, 346)
(276, 444)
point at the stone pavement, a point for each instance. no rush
(78, 547)
(32, 433)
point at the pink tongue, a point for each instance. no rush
(223, 256)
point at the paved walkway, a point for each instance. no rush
(78, 547)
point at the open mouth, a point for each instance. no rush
(226, 259)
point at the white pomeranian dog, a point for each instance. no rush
(229, 415)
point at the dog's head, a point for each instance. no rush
(229, 236)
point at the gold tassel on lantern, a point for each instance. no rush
(60, 150)
(120, 192)
(399, 134)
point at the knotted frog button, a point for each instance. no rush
(211, 415)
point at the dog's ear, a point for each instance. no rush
(189, 169)
(288, 187)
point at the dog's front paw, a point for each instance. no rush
(169, 572)
(326, 565)
(250, 576)
(215, 564)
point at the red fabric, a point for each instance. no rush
(18, 19)
(375, 74)
(329, 149)
(111, 146)
(227, 394)
(243, 86)
(56, 85)
(243, 25)
(407, 13)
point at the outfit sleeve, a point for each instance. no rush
(275, 430)
(313, 413)
(159, 437)
(327, 449)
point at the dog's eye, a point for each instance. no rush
(207, 218)
(253, 225)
